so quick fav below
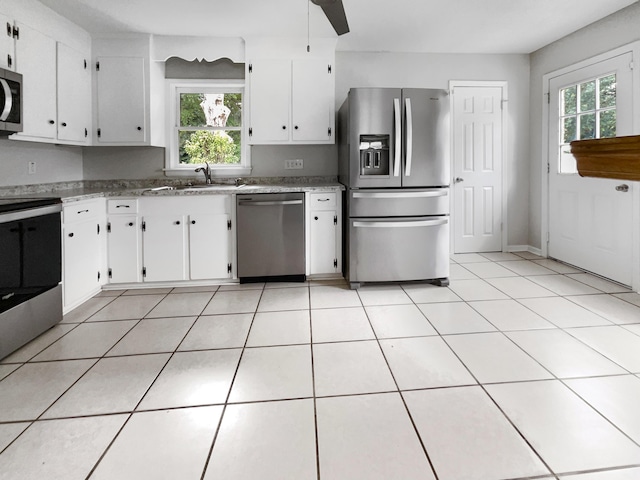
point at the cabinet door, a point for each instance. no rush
(81, 244)
(312, 101)
(209, 246)
(323, 242)
(121, 100)
(36, 61)
(74, 95)
(7, 44)
(270, 84)
(124, 249)
(163, 248)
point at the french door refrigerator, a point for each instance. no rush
(393, 149)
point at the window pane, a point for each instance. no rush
(569, 100)
(588, 96)
(587, 126)
(569, 130)
(608, 124)
(218, 147)
(608, 91)
(210, 109)
(567, 161)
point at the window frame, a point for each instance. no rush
(174, 87)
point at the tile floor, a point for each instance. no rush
(522, 368)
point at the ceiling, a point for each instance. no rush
(436, 26)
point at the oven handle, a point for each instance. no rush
(398, 120)
(29, 213)
(432, 193)
(413, 224)
(8, 100)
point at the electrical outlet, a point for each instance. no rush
(32, 168)
(293, 164)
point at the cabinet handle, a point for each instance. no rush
(296, 127)
(131, 224)
(324, 199)
(284, 127)
(123, 206)
(193, 222)
(64, 124)
(178, 222)
(82, 211)
(315, 218)
(51, 122)
(71, 234)
(139, 128)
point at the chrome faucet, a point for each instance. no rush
(207, 172)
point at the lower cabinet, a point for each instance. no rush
(82, 246)
(164, 239)
(324, 233)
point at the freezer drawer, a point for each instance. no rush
(398, 249)
(404, 202)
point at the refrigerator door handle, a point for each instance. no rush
(433, 193)
(420, 223)
(407, 102)
(398, 122)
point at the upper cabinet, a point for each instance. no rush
(292, 95)
(74, 95)
(129, 92)
(7, 43)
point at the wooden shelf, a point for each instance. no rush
(617, 157)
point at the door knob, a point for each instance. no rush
(622, 188)
(458, 180)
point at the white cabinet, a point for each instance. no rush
(36, 61)
(7, 43)
(57, 89)
(324, 233)
(74, 95)
(291, 101)
(209, 246)
(124, 247)
(163, 247)
(121, 100)
(82, 270)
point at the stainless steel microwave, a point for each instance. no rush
(10, 102)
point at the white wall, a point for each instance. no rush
(616, 30)
(54, 163)
(354, 69)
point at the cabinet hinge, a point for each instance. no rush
(144, 271)
(108, 227)
(86, 133)
(144, 226)
(335, 263)
(110, 273)
(335, 219)
(228, 224)
(99, 133)
(85, 63)
(98, 276)
(632, 66)
(16, 33)
(9, 60)
(250, 68)
(329, 131)
(250, 131)
(98, 228)
(548, 97)
(548, 168)
(329, 69)
(97, 66)
(228, 268)
(9, 30)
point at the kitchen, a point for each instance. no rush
(523, 73)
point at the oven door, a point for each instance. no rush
(10, 102)
(398, 249)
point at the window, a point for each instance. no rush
(587, 110)
(207, 126)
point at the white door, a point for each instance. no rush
(209, 246)
(74, 95)
(311, 101)
(477, 169)
(270, 90)
(163, 248)
(124, 249)
(590, 221)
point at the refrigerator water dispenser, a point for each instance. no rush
(374, 155)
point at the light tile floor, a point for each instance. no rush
(522, 368)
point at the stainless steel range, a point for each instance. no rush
(394, 161)
(30, 269)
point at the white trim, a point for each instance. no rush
(504, 85)
(634, 49)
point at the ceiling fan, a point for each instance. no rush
(334, 10)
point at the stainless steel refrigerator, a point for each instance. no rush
(393, 147)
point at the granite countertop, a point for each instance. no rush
(77, 191)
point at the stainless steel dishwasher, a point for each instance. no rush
(270, 233)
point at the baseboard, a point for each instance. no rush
(524, 248)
